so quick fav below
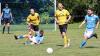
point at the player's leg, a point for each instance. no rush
(63, 33)
(94, 35)
(30, 29)
(84, 42)
(61, 30)
(21, 36)
(8, 25)
(65, 39)
(87, 35)
(36, 29)
(66, 26)
(91, 34)
(4, 28)
(33, 29)
(4, 25)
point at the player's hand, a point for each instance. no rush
(29, 23)
(66, 22)
(57, 22)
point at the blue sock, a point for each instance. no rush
(83, 43)
(20, 36)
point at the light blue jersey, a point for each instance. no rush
(39, 38)
(91, 21)
(6, 13)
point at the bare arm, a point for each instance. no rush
(69, 18)
(82, 24)
(28, 20)
(11, 15)
(39, 19)
(2, 15)
(97, 25)
(56, 19)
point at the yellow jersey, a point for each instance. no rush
(62, 16)
(33, 19)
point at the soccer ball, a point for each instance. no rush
(49, 50)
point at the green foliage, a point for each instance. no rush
(78, 8)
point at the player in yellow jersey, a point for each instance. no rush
(62, 19)
(33, 21)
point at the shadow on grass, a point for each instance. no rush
(91, 47)
(60, 45)
(7, 33)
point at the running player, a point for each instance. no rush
(62, 19)
(33, 21)
(92, 22)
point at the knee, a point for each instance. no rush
(63, 33)
(8, 24)
(85, 37)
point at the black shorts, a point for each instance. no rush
(34, 27)
(6, 20)
(63, 28)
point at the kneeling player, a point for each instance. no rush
(36, 39)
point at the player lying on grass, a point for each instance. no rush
(92, 22)
(34, 39)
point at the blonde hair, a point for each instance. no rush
(61, 4)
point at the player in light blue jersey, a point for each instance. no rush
(7, 17)
(92, 22)
(37, 38)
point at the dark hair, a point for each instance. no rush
(91, 9)
(41, 32)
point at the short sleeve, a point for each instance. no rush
(67, 12)
(37, 14)
(28, 18)
(55, 13)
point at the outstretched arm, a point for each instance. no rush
(82, 24)
(97, 25)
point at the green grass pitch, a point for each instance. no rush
(9, 47)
